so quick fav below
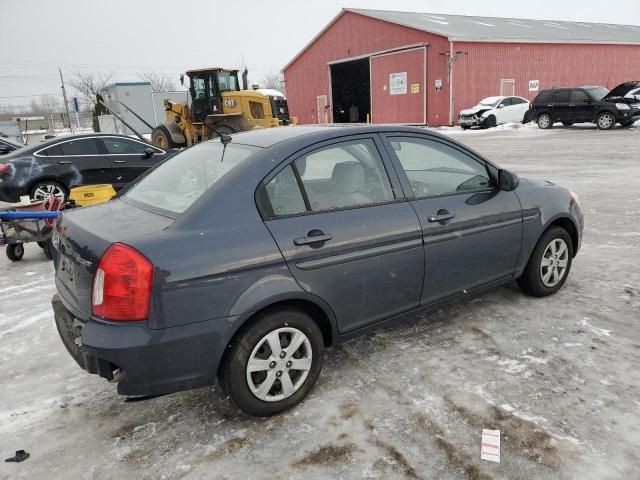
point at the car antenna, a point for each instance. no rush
(224, 138)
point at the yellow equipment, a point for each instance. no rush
(92, 194)
(219, 107)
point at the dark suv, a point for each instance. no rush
(584, 104)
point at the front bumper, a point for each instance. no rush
(470, 121)
(144, 361)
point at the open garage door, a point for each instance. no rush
(398, 87)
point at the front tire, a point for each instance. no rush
(15, 252)
(606, 121)
(490, 121)
(549, 265)
(273, 364)
(545, 122)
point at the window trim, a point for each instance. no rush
(406, 183)
(99, 144)
(397, 191)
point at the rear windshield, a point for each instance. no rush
(176, 184)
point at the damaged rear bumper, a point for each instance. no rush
(144, 361)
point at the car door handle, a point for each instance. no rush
(119, 161)
(442, 216)
(64, 162)
(314, 236)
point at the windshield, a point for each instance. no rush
(598, 93)
(182, 179)
(490, 101)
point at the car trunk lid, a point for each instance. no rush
(81, 238)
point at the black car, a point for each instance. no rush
(586, 104)
(56, 166)
(243, 259)
(7, 145)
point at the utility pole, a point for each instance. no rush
(64, 96)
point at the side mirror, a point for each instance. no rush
(507, 181)
(501, 106)
(148, 153)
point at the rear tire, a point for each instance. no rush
(605, 121)
(545, 122)
(268, 394)
(15, 252)
(554, 251)
(161, 138)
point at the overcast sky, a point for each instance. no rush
(127, 37)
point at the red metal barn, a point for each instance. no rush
(418, 68)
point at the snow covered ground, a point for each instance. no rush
(558, 376)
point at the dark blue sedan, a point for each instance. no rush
(242, 259)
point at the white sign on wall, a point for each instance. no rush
(534, 85)
(398, 83)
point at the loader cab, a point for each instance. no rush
(206, 87)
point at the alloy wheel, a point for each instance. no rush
(279, 364)
(606, 121)
(555, 260)
(544, 121)
(44, 191)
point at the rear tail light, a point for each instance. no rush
(4, 168)
(122, 284)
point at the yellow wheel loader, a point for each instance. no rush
(218, 107)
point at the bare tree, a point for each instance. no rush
(160, 82)
(272, 80)
(89, 85)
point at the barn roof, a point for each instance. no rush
(492, 29)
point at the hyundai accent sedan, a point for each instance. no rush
(240, 260)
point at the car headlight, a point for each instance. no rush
(622, 106)
(575, 197)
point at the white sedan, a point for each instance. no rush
(494, 111)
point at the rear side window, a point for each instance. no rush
(434, 168)
(177, 183)
(507, 102)
(543, 97)
(84, 146)
(284, 194)
(561, 97)
(344, 175)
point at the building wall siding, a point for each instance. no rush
(477, 74)
(354, 35)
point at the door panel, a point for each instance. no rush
(127, 159)
(405, 100)
(82, 162)
(472, 232)
(370, 269)
(480, 244)
(579, 109)
(347, 235)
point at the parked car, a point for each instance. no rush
(57, 165)
(494, 111)
(7, 145)
(585, 104)
(244, 260)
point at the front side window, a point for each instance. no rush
(434, 168)
(598, 93)
(228, 81)
(507, 102)
(120, 146)
(344, 175)
(199, 88)
(177, 183)
(85, 146)
(578, 97)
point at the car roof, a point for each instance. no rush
(65, 138)
(267, 137)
